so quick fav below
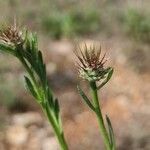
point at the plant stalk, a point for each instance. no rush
(98, 112)
(62, 141)
(60, 138)
(57, 129)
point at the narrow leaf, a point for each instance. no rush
(57, 110)
(30, 86)
(42, 69)
(40, 57)
(49, 96)
(85, 98)
(111, 133)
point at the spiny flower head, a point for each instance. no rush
(11, 35)
(91, 64)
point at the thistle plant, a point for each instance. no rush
(91, 68)
(24, 46)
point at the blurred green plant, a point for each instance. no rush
(91, 68)
(24, 46)
(137, 25)
(71, 23)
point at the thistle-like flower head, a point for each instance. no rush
(91, 64)
(11, 35)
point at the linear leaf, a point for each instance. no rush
(30, 86)
(42, 69)
(57, 110)
(111, 133)
(49, 96)
(85, 98)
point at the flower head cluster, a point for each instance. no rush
(11, 35)
(91, 66)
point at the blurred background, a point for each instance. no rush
(123, 30)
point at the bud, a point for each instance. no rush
(11, 36)
(91, 66)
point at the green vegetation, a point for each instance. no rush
(137, 25)
(59, 25)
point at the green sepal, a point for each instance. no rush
(31, 50)
(28, 42)
(109, 75)
(85, 98)
(111, 134)
(34, 45)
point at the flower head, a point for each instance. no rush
(90, 64)
(11, 35)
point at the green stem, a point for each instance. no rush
(62, 141)
(57, 129)
(98, 112)
(60, 136)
